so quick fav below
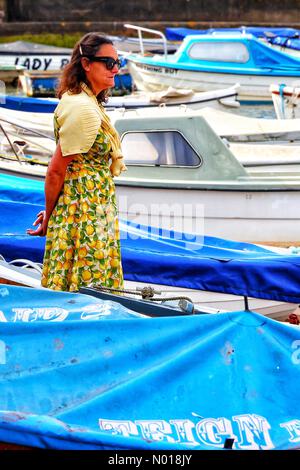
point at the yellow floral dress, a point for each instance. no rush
(83, 242)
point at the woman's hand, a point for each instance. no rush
(42, 223)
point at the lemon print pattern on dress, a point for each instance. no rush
(83, 240)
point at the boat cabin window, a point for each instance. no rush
(158, 148)
(219, 51)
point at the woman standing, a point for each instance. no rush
(80, 220)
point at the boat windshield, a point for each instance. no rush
(218, 51)
(157, 148)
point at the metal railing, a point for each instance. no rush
(139, 29)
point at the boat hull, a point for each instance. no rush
(253, 88)
(217, 196)
(252, 216)
(216, 302)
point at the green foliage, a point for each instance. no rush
(61, 40)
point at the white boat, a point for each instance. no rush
(220, 99)
(283, 39)
(204, 62)
(286, 100)
(233, 127)
(34, 56)
(263, 145)
(182, 176)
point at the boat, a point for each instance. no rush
(215, 274)
(182, 176)
(286, 100)
(283, 39)
(139, 376)
(34, 56)
(222, 98)
(174, 97)
(41, 65)
(204, 62)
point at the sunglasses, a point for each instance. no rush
(109, 61)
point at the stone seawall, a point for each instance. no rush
(115, 27)
(254, 11)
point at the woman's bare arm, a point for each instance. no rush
(54, 182)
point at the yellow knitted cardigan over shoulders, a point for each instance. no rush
(79, 117)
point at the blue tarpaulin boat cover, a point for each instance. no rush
(80, 373)
(177, 34)
(289, 43)
(152, 256)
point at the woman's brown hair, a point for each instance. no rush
(73, 73)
